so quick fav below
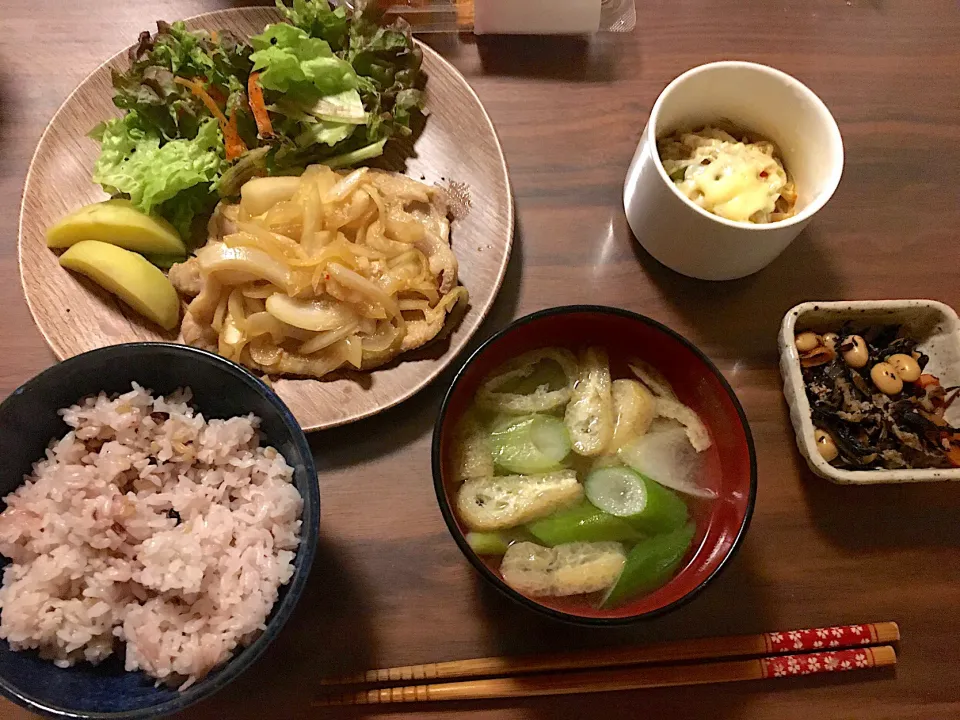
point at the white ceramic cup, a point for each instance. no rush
(757, 99)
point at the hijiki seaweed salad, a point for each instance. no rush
(872, 404)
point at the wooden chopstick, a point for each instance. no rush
(717, 648)
(624, 679)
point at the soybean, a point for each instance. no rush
(807, 341)
(905, 366)
(885, 377)
(855, 352)
(825, 445)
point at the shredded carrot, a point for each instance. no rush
(954, 455)
(218, 97)
(926, 380)
(952, 450)
(233, 143)
(231, 138)
(215, 36)
(258, 106)
(201, 92)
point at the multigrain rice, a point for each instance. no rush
(150, 526)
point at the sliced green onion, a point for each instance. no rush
(488, 543)
(582, 523)
(646, 505)
(533, 444)
(649, 565)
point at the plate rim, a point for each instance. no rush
(406, 393)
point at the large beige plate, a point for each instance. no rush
(458, 145)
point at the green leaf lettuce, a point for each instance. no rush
(133, 163)
(318, 20)
(292, 62)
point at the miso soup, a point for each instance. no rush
(579, 477)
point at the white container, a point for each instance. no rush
(754, 98)
(536, 17)
(932, 323)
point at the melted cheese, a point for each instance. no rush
(735, 180)
(735, 192)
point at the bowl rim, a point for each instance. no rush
(833, 179)
(309, 536)
(493, 578)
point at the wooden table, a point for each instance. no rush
(389, 585)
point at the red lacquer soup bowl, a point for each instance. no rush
(730, 464)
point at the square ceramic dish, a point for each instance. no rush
(934, 324)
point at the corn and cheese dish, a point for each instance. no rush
(740, 180)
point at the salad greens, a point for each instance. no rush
(171, 109)
(206, 111)
(133, 163)
(294, 63)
